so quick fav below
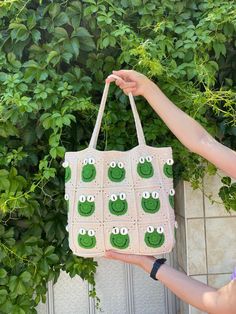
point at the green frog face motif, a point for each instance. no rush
(86, 205)
(66, 197)
(154, 238)
(116, 171)
(118, 204)
(67, 171)
(150, 202)
(88, 170)
(86, 239)
(167, 168)
(119, 238)
(176, 227)
(145, 168)
(171, 197)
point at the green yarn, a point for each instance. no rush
(168, 170)
(118, 207)
(172, 201)
(145, 170)
(86, 241)
(154, 239)
(67, 174)
(88, 173)
(119, 241)
(86, 208)
(150, 205)
(116, 174)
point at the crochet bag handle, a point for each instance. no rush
(138, 126)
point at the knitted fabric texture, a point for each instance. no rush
(120, 200)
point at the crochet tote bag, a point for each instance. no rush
(120, 200)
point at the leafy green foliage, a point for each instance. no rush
(228, 193)
(54, 58)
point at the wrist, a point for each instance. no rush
(147, 263)
(161, 270)
(149, 88)
(157, 265)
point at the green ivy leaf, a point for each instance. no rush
(3, 273)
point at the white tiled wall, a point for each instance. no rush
(206, 235)
(122, 288)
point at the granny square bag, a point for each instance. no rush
(120, 200)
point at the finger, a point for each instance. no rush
(110, 79)
(124, 84)
(122, 73)
(129, 90)
(127, 258)
(119, 82)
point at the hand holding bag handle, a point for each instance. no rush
(138, 126)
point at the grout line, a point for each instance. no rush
(213, 274)
(170, 298)
(186, 231)
(205, 235)
(50, 298)
(202, 217)
(129, 288)
(91, 301)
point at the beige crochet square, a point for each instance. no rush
(121, 237)
(88, 206)
(86, 239)
(156, 233)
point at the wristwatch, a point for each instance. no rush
(157, 264)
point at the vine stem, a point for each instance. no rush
(6, 248)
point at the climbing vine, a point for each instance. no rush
(54, 58)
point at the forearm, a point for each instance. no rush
(185, 128)
(190, 133)
(189, 290)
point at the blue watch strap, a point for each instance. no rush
(157, 264)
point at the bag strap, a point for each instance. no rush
(138, 126)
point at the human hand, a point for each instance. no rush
(145, 262)
(130, 81)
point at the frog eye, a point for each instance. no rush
(155, 194)
(146, 195)
(124, 231)
(149, 158)
(91, 161)
(160, 229)
(120, 165)
(172, 192)
(82, 231)
(150, 229)
(115, 230)
(141, 160)
(170, 162)
(90, 198)
(85, 161)
(66, 197)
(65, 164)
(113, 164)
(82, 198)
(176, 224)
(122, 196)
(91, 232)
(113, 197)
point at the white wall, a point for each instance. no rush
(122, 288)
